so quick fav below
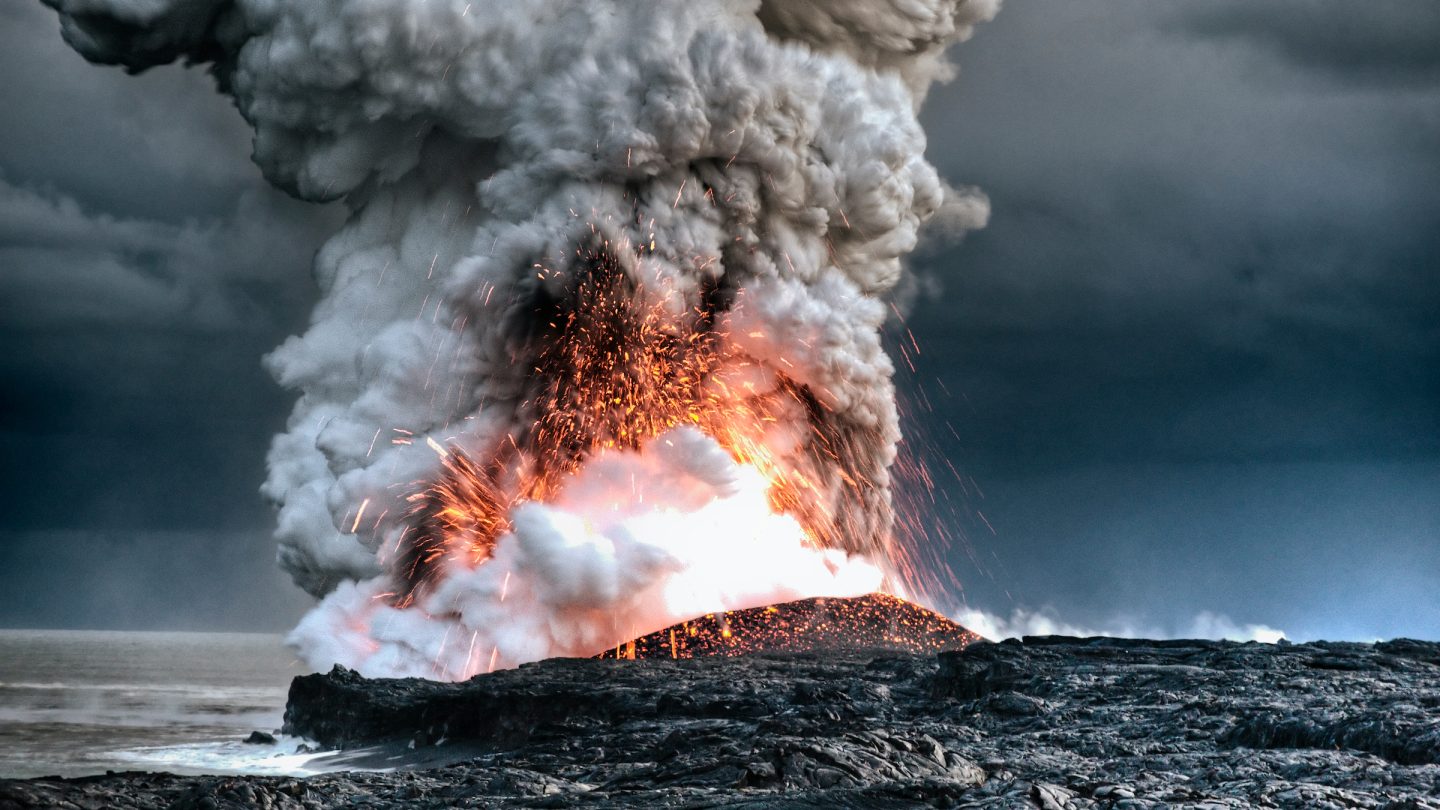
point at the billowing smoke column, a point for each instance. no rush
(599, 347)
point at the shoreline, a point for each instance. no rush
(1047, 722)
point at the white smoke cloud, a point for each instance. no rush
(768, 150)
(1022, 622)
(907, 37)
(1219, 626)
(593, 568)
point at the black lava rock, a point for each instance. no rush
(1043, 723)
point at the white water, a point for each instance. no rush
(82, 702)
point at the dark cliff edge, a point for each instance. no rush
(343, 710)
(1043, 723)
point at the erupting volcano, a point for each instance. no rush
(599, 348)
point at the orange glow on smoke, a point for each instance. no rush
(616, 364)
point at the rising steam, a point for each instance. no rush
(599, 348)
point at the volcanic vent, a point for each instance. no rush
(874, 622)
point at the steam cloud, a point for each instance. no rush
(757, 161)
(1022, 622)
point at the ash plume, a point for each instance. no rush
(600, 343)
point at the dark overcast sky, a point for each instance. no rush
(1195, 359)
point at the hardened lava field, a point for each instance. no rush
(876, 621)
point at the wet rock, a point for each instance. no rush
(1014, 704)
(1051, 797)
(260, 738)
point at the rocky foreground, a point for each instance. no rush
(1043, 723)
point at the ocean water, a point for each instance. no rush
(74, 703)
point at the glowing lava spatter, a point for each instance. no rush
(619, 365)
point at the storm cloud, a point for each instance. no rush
(1389, 43)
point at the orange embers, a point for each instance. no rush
(614, 364)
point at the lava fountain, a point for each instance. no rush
(598, 350)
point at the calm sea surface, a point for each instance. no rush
(83, 702)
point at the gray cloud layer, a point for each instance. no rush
(144, 269)
(1391, 42)
(1189, 259)
(1195, 355)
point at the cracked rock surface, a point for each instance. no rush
(1047, 723)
